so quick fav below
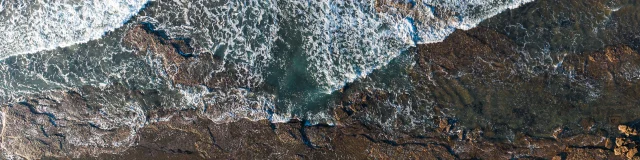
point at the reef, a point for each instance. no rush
(50, 126)
(491, 92)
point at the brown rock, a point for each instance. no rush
(201, 69)
(631, 153)
(628, 131)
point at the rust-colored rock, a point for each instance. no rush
(181, 64)
(628, 131)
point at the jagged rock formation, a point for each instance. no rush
(75, 124)
(491, 100)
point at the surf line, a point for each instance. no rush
(92, 34)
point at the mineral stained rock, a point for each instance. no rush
(53, 125)
(490, 98)
(483, 93)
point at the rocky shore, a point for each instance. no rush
(50, 125)
(482, 93)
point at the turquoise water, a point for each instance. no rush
(279, 60)
(301, 59)
(289, 58)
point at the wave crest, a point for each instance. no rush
(30, 26)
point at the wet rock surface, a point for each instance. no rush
(479, 95)
(485, 85)
(459, 78)
(178, 62)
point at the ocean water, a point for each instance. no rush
(31, 26)
(291, 56)
(300, 58)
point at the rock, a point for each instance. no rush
(459, 79)
(627, 145)
(488, 104)
(583, 153)
(201, 69)
(628, 131)
(631, 153)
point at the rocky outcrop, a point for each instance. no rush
(55, 124)
(488, 84)
(626, 145)
(178, 59)
(187, 136)
(489, 103)
(70, 124)
(222, 90)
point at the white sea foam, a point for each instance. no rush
(29, 26)
(341, 39)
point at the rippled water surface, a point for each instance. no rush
(293, 55)
(510, 66)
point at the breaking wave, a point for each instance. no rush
(30, 26)
(302, 50)
(333, 42)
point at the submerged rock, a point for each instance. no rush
(476, 95)
(187, 134)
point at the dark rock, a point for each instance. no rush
(484, 109)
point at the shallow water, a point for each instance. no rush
(291, 56)
(302, 59)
